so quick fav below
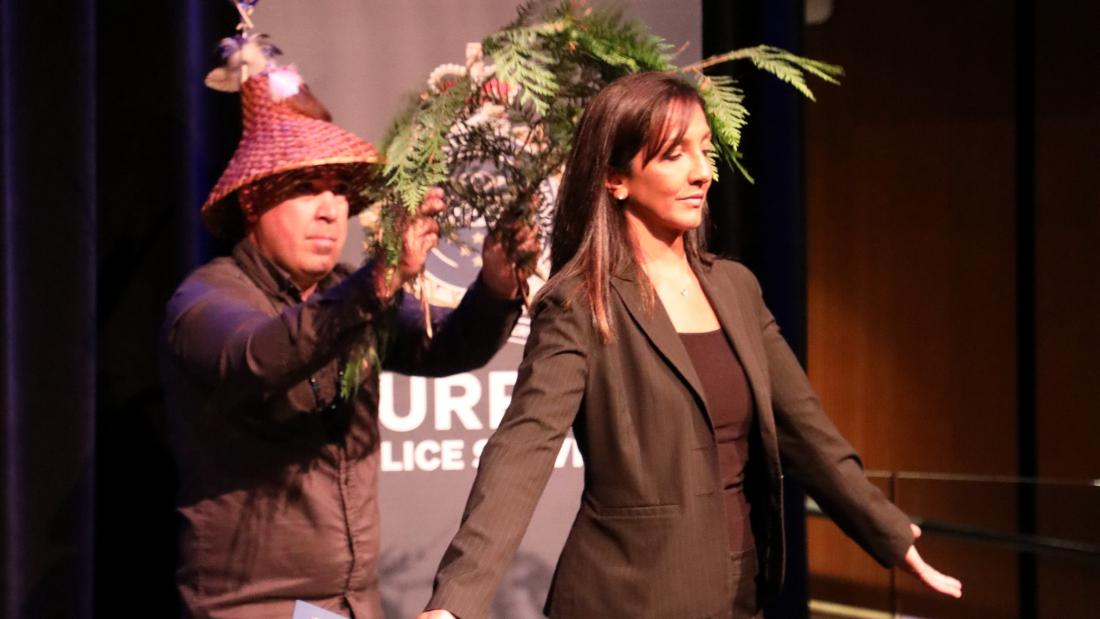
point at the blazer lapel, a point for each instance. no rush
(736, 322)
(658, 328)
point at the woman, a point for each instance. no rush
(684, 399)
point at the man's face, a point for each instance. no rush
(304, 232)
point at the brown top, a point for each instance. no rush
(278, 475)
(729, 402)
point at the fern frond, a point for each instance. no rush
(397, 148)
(788, 67)
(607, 53)
(726, 112)
(413, 161)
(647, 51)
(823, 70)
(786, 73)
(520, 62)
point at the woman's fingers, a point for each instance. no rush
(931, 577)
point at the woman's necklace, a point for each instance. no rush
(687, 278)
(681, 283)
(684, 285)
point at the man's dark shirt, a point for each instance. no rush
(279, 476)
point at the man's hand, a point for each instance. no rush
(420, 234)
(435, 614)
(510, 244)
(930, 576)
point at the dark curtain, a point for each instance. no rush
(164, 138)
(48, 281)
(764, 223)
(110, 142)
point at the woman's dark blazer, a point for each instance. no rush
(650, 537)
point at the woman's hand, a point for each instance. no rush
(435, 614)
(932, 578)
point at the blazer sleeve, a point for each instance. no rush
(517, 461)
(812, 449)
(464, 338)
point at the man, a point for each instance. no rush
(279, 473)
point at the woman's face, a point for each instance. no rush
(666, 194)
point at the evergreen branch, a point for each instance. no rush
(782, 64)
(519, 62)
(712, 161)
(827, 72)
(790, 67)
(784, 71)
(606, 52)
(413, 161)
(706, 63)
(608, 34)
(551, 60)
(726, 112)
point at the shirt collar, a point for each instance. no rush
(270, 277)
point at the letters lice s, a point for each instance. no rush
(454, 397)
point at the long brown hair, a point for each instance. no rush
(638, 114)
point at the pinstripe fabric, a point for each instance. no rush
(649, 539)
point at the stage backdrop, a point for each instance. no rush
(363, 58)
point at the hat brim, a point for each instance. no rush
(225, 219)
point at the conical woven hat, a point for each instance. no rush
(278, 136)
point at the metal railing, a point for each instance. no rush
(1040, 544)
(1038, 493)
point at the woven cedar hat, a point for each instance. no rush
(284, 130)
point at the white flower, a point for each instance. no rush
(475, 64)
(285, 82)
(443, 76)
(493, 114)
(474, 53)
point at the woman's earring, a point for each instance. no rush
(620, 196)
